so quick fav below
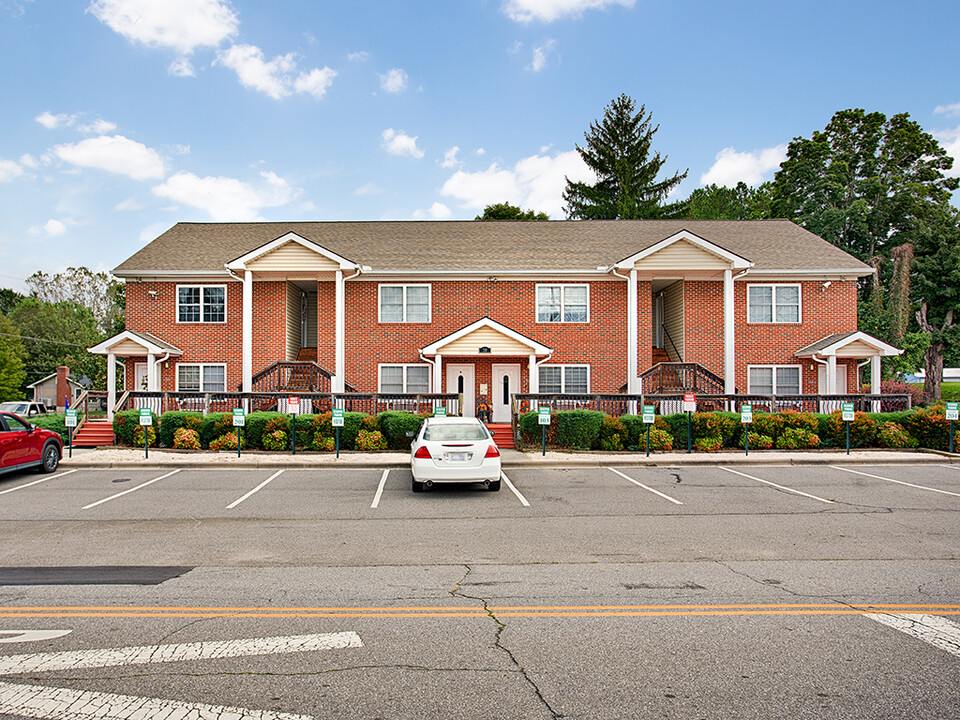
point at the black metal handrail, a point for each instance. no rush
(680, 377)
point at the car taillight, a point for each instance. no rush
(492, 451)
(423, 453)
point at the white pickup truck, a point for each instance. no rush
(24, 409)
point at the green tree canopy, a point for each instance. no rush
(12, 354)
(715, 202)
(100, 292)
(506, 211)
(619, 152)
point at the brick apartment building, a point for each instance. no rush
(493, 308)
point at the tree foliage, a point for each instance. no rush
(12, 354)
(506, 211)
(619, 151)
(716, 202)
(100, 292)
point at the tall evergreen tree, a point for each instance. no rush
(715, 202)
(618, 150)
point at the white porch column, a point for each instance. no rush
(111, 384)
(831, 374)
(632, 333)
(341, 327)
(534, 382)
(247, 332)
(875, 380)
(729, 349)
(438, 373)
(151, 372)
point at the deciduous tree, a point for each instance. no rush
(506, 211)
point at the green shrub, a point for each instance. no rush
(151, 436)
(660, 440)
(370, 423)
(125, 424)
(172, 421)
(274, 440)
(277, 422)
(863, 430)
(715, 425)
(323, 443)
(708, 444)
(578, 429)
(255, 425)
(802, 420)
(371, 440)
(353, 421)
(394, 425)
(892, 435)
(760, 442)
(227, 442)
(531, 431)
(636, 430)
(214, 425)
(305, 430)
(612, 434)
(768, 424)
(185, 439)
(930, 427)
(797, 438)
(54, 423)
(677, 424)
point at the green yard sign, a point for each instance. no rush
(146, 416)
(337, 419)
(649, 414)
(440, 411)
(239, 419)
(70, 420)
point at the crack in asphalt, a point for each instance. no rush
(777, 586)
(456, 591)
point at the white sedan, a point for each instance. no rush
(454, 450)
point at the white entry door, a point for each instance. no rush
(506, 382)
(461, 379)
(841, 380)
(140, 376)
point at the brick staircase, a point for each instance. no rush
(94, 433)
(502, 435)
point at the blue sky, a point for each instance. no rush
(119, 118)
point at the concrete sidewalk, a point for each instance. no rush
(512, 459)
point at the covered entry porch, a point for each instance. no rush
(487, 363)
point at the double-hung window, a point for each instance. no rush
(404, 378)
(773, 379)
(572, 379)
(201, 378)
(201, 303)
(563, 303)
(773, 303)
(404, 303)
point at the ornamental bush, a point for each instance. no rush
(394, 425)
(531, 431)
(715, 425)
(930, 427)
(371, 440)
(175, 420)
(228, 442)
(323, 443)
(214, 425)
(370, 423)
(56, 423)
(636, 430)
(151, 436)
(660, 440)
(305, 430)
(767, 424)
(255, 427)
(863, 430)
(802, 420)
(579, 429)
(708, 443)
(893, 435)
(760, 442)
(612, 434)
(185, 439)
(125, 424)
(797, 438)
(274, 440)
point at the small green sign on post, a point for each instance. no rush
(953, 413)
(846, 415)
(336, 420)
(649, 418)
(746, 417)
(239, 421)
(440, 411)
(70, 420)
(146, 420)
(543, 418)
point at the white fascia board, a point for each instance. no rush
(736, 261)
(481, 274)
(826, 273)
(167, 274)
(149, 347)
(535, 347)
(883, 349)
(240, 263)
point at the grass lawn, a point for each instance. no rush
(950, 392)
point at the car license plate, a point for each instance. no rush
(458, 457)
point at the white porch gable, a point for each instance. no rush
(854, 344)
(486, 333)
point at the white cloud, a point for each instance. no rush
(730, 166)
(181, 25)
(480, 152)
(450, 158)
(52, 122)
(9, 170)
(948, 109)
(128, 204)
(361, 56)
(536, 182)
(152, 232)
(114, 154)
(399, 143)
(54, 228)
(550, 10)
(182, 67)
(98, 127)
(394, 81)
(368, 189)
(437, 211)
(28, 160)
(950, 140)
(270, 78)
(227, 199)
(540, 55)
(315, 82)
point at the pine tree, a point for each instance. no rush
(618, 150)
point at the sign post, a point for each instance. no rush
(239, 421)
(746, 417)
(689, 407)
(543, 418)
(293, 405)
(70, 420)
(953, 413)
(846, 414)
(649, 417)
(146, 420)
(336, 420)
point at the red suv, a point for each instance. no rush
(23, 445)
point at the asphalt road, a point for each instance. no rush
(768, 592)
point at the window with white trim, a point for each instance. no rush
(201, 303)
(773, 303)
(404, 378)
(404, 303)
(563, 303)
(198, 377)
(573, 379)
(773, 379)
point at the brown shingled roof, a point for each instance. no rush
(422, 246)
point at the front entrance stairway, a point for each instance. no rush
(502, 435)
(94, 433)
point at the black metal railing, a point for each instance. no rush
(680, 377)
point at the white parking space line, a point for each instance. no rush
(937, 631)
(383, 481)
(125, 492)
(650, 489)
(898, 482)
(520, 497)
(259, 487)
(37, 482)
(779, 487)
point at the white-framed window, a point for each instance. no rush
(563, 303)
(201, 303)
(773, 303)
(404, 379)
(573, 379)
(774, 379)
(201, 377)
(404, 303)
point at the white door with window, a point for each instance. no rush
(140, 377)
(506, 382)
(461, 379)
(841, 379)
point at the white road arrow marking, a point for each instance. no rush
(31, 635)
(937, 631)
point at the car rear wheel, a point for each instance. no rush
(417, 486)
(50, 459)
(495, 486)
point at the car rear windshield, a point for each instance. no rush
(455, 432)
